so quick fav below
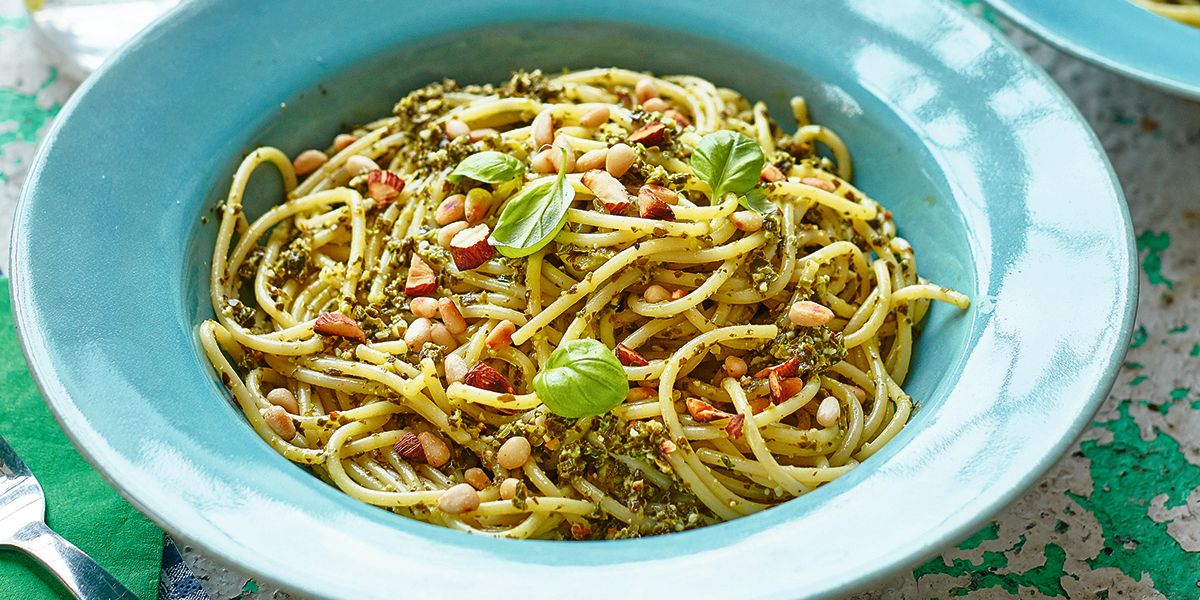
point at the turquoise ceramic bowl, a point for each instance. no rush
(1117, 35)
(991, 174)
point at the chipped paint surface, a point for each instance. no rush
(1118, 517)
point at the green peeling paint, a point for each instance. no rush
(1195, 350)
(1138, 338)
(1134, 366)
(1134, 471)
(1045, 579)
(1180, 393)
(1137, 380)
(1180, 329)
(1153, 244)
(991, 532)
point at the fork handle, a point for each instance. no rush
(76, 570)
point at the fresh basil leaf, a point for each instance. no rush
(728, 161)
(529, 221)
(756, 199)
(489, 167)
(582, 378)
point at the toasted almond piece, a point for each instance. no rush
(437, 453)
(611, 193)
(620, 157)
(384, 187)
(592, 159)
(819, 183)
(678, 294)
(455, 368)
(580, 531)
(477, 478)
(341, 326)
(343, 140)
(484, 377)
(501, 335)
(787, 368)
(734, 428)
(285, 399)
(771, 173)
(665, 194)
(422, 281)
(595, 117)
(656, 293)
(543, 128)
(783, 388)
(478, 205)
(470, 247)
(649, 135)
(645, 89)
(451, 316)
(456, 129)
(746, 220)
(704, 412)
(418, 332)
(667, 447)
(650, 206)
(447, 233)
(423, 306)
(452, 209)
(807, 313)
(459, 499)
(409, 448)
(308, 161)
(676, 116)
(630, 357)
(279, 421)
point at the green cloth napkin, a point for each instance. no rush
(80, 505)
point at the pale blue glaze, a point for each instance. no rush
(991, 174)
(1117, 35)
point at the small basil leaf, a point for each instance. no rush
(756, 199)
(582, 378)
(489, 167)
(529, 221)
(728, 161)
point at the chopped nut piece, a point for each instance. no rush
(409, 448)
(341, 326)
(704, 412)
(484, 377)
(649, 135)
(470, 247)
(630, 357)
(734, 428)
(384, 187)
(612, 193)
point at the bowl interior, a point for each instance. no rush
(963, 139)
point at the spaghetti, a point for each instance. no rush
(760, 310)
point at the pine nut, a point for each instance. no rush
(440, 335)
(806, 313)
(455, 367)
(514, 453)
(655, 105)
(451, 316)
(357, 165)
(279, 421)
(308, 161)
(620, 158)
(639, 394)
(478, 205)
(283, 398)
(479, 134)
(447, 232)
(477, 478)
(595, 117)
(541, 162)
(828, 412)
(423, 307)
(342, 140)
(459, 499)
(735, 367)
(858, 392)
(437, 453)
(656, 293)
(561, 147)
(418, 333)
(543, 128)
(746, 220)
(451, 209)
(508, 488)
(819, 183)
(592, 159)
(456, 129)
(645, 90)
(501, 335)
(677, 294)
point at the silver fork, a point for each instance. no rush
(22, 526)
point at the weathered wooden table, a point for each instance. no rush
(1119, 516)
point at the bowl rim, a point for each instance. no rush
(1146, 63)
(34, 345)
